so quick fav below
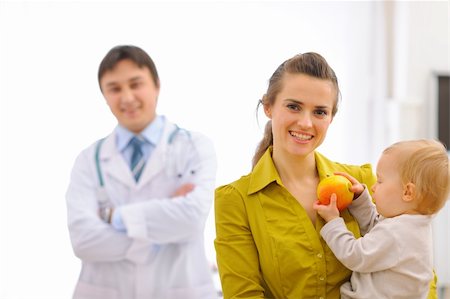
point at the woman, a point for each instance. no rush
(268, 243)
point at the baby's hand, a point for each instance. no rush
(357, 188)
(327, 212)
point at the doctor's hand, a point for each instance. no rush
(183, 190)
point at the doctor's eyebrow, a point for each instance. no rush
(131, 80)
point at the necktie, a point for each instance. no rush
(137, 161)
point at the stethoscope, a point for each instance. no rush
(105, 205)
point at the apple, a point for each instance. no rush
(339, 185)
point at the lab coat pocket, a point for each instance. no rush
(85, 290)
(200, 292)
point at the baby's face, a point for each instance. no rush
(388, 190)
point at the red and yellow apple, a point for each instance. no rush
(339, 185)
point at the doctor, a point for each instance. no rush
(138, 199)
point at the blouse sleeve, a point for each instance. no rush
(236, 251)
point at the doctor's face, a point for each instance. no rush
(131, 94)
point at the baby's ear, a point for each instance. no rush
(409, 192)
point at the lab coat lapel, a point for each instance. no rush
(113, 164)
(157, 161)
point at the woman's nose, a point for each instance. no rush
(305, 120)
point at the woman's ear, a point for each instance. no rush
(409, 192)
(268, 111)
(267, 107)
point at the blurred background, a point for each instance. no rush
(392, 59)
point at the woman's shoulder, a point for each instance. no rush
(351, 168)
(238, 186)
(231, 198)
(330, 163)
(363, 172)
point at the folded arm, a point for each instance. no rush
(92, 239)
(180, 218)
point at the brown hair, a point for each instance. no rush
(311, 64)
(425, 163)
(133, 53)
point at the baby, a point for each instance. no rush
(394, 258)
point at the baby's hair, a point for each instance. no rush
(425, 163)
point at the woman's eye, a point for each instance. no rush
(293, 107)
(321, 113)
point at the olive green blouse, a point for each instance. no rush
(267, 246)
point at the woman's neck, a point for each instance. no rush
(293, 168)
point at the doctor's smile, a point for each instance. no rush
(131, 113)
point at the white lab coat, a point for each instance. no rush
(161, 256)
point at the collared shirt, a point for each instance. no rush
(267, 246)
(151, 136)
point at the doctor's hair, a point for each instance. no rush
(133, 53)
(424, 163)
(311, 64)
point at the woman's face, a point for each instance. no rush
(301, 114)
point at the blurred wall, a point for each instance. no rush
(214, 59)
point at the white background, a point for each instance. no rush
(214, 60)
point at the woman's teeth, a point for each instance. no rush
(301, 136)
